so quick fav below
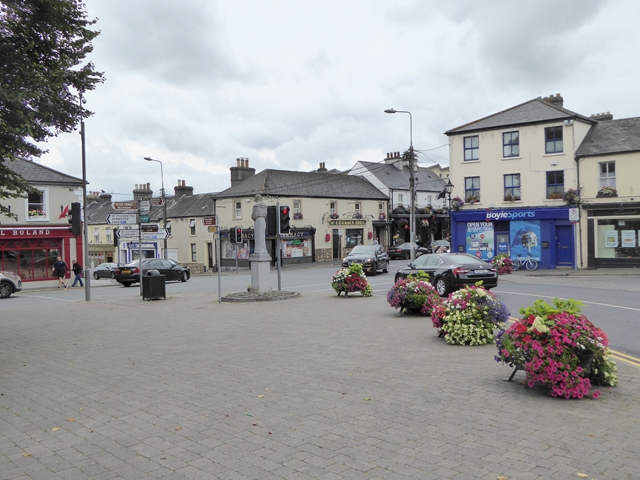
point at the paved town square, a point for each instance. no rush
(317, 387)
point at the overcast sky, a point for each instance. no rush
(292, 83)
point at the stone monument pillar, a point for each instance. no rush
(260, 259)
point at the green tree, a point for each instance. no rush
(43, 45)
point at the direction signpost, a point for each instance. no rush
(209, 221)
(121, 219)
(132, 205)
(156, 201)
(127, 233)
(149, 227)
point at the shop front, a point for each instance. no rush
(613, 235)
(298, 246)
(31, 251)
(545, 234)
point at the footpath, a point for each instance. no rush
(317, 387)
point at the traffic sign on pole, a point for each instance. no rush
(161, 234)
(209, 221)
(121, 219)
(157, 201)
(149, 227)
(127, 233)
(574, 215)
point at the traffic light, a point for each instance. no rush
(285, 211)
(238, 234)
(232, 235)
(272, 227)
(74, 219)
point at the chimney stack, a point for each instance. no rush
(555, 100)
(241, 171)
(602, 117)
(182, 189)
(322, 168)
(142, 190)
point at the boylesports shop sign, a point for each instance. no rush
(493, 216)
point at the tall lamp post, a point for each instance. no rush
(412, 182)
(449, 189)
(164, 203)
(85, 224)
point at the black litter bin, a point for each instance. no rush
(153, 287)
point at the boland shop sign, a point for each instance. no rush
(31, 232)
(495, 215)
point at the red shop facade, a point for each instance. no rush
(31, 251)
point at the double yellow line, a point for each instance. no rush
(623, 357)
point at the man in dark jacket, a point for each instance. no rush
(77, 270)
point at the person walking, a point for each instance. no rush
(77, 270)
(59, 270)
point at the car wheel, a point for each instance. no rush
(374, 270)
(407, 256)
(386, 268)
(441, 287)
(96, 276)
(127, 284)
(113, 275)
(5, 290)
(185, 277)
(397, 277)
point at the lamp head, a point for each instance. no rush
(148, 159)
(390, 110)
(449, 187)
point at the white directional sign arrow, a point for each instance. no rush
(121, 219)
(127, 233)
(161, 234)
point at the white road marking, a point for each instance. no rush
(583, 301)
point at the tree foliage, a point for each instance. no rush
(43, 46)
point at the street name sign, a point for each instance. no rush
(121, 219)
(127, 233)
(132, 205)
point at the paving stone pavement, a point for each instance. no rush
(317, 387)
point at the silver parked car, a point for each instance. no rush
(105, 270)
(9, 283)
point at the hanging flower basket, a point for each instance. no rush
(571, 197)
(334, 216)
(607, 192)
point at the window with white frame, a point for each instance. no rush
(192, 226)
(194, 253)
(168, 227)
(37, 206)
(471, 148)
(333, 207)
(553, 140)
(356, 207)
(472, 189)
(607, 174)
(108, 232)
(381, 208)
(237, 211)
(400, 198)
(96, 235)
(511, 144)
(297, 209)
(429, 200)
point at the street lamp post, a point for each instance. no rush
(164, 203)
(85, 224)
(412, 183)
(449, 189)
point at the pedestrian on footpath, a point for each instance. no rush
(60, 270)
(77, 270)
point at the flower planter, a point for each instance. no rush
(586, 359)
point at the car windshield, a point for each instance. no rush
(442, 242)
(363, 250)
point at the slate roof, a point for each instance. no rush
(391, 177)
(200, 205)
(287, 183)
(613, 136)
(36, 174)
(532, 112)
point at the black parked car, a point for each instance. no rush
(372, 258)
(451, 271)
(404, 251)
(130, 273)
(105, 270)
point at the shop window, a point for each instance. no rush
(511, 144)
(607, 174)
(512, 187)
(555, 184)
(194, 253)
(553, 140)
(296, 248)
(36, 206)
(618, 238)
(237, 210)
(192, 226)
(471, 148)
(472, 189)
(353, 237)
(31, 259)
